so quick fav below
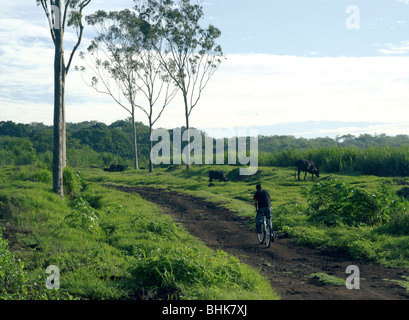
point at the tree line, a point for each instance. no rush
(91, 143)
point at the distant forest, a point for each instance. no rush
(92, 143)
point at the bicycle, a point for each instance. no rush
(267, 234)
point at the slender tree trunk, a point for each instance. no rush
(151, 145)
(135, 143)
(59, 71)
(64, 123)
(188, 131)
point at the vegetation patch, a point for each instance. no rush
(334, 202)
(108, 245)
(326, 280)
(359, 216)
(403, 283)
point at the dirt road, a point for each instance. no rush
(286, 265)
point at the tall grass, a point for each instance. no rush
(379, 161)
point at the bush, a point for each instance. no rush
(336, 203)
(13, 282)
(398, 225)
(72, 183)
(83, 216)
(43, 175)
(17, 151)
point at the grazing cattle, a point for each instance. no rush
(308, 167)
(218, 175)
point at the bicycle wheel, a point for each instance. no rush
(268, 236)
(261, 236)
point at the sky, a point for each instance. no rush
(307, 68)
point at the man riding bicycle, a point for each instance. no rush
(262, 202)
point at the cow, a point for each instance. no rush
(308, 167)
(218, 175)
(116, 168)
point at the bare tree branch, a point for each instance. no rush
(49, 18)
(81, 28)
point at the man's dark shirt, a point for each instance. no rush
(263, 198)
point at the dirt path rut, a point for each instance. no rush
(286, 265)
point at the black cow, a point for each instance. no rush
(116, 168)
(308, 167)
(218, 175)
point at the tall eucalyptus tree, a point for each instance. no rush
(61, 14)
(125, 67)
(187, 51)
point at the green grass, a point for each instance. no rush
(326, 279)
(384, 243)
(285, 190)
(403, 283)
(110, 245)
(113, 245)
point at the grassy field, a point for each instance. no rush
(354, 223)
(111, 245)
(236, 194)
(107, 245)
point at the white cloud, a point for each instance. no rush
(391, 129)
(248, 90)
(265, 90)
(396, 49)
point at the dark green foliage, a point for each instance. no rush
(9, 128)
(83, 216)
(72, 183)
(16, 151)
(43, 175)
(96, 144)
(371, 155)
(13, 281)
(88, 143)
(334, 202)
(380, 161)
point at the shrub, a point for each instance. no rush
(398, 225)
(17, 151)
(82, 216)
(43, 175)
(335, 203)
(13, 282)
(72, 183)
